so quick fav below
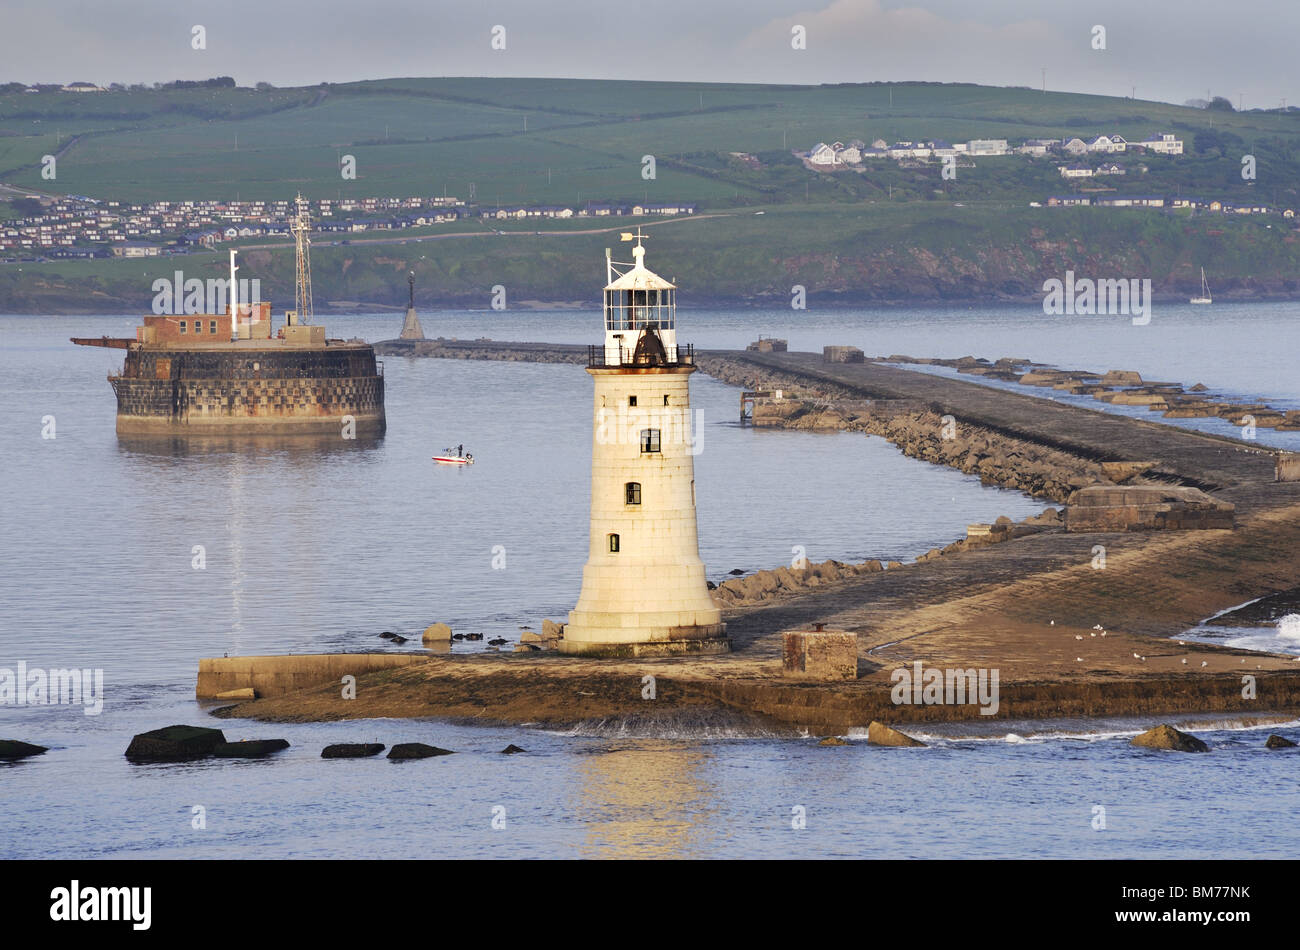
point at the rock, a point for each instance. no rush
(1120, 377)
(436, 632)
(832, 740)
(1277, 742)
(893, 565)
(174, 744)
(498, 641)
(245, 692)
(458, 636)
(387, 635)
(249, 748)
(552, 630)
(528, 648)
(710, 585)
(416, 750)
(13, 749)
(473, 636)
(736, 572)
(351, 750)
(397, 639)
(880, 734)
(512, 749)
(1167, 737)
(528, 636)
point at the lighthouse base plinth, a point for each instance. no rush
(614, 643)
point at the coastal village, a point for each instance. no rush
(75, 226)
(1080, 158)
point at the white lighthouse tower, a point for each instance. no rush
(643, 589)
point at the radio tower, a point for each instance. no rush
(301, 229)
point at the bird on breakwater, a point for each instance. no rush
(1082, 637)
(1078, 659)
(1136, 657)
(1077, 637)
(1204, 663)
(1051, 623)
(1184, 661)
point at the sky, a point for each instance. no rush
(1169, 50)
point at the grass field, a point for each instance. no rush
(424, 136)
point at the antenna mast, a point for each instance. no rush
(302, 243)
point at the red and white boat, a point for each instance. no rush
(457, 456)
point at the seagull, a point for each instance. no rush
(1136, 657)
(1051, 623)
(1204, 663)
(1184, 661)
(1077, 637)
(1097, 626)
(1078, 659)
(1103, 633)
(1082, 637)
(1181, 643)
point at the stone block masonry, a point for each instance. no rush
(250, 390)
(820, 654)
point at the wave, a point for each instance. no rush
(674, 724)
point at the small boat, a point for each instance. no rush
(457, 456)
(1205, 291)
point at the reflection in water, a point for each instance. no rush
(306, 446)
(647, 800)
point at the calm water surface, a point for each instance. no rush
(321, 547)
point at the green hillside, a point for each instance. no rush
(891, 233)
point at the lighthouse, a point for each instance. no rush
(643, 588)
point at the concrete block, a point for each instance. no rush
(820, 654)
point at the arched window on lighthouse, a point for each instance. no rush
(613, 544)
(633, 493)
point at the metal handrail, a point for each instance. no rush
(680, 355)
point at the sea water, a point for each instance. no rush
(140, 558)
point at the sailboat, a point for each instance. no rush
(1205, 291)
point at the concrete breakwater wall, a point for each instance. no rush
(277, 675)
(486, 350)
(919, 432)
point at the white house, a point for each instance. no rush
(1111, 168)
(1074, 171)
(1074, 146)
(822, 154)
(987, 147)
(1165, 143)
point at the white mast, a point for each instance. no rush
(234, 298)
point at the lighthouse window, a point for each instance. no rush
(665, 400)
(631, 400)
(212, 326)
(198, 326)
(649, 440)
(613, 544)
(184, 326)
(633, 493)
